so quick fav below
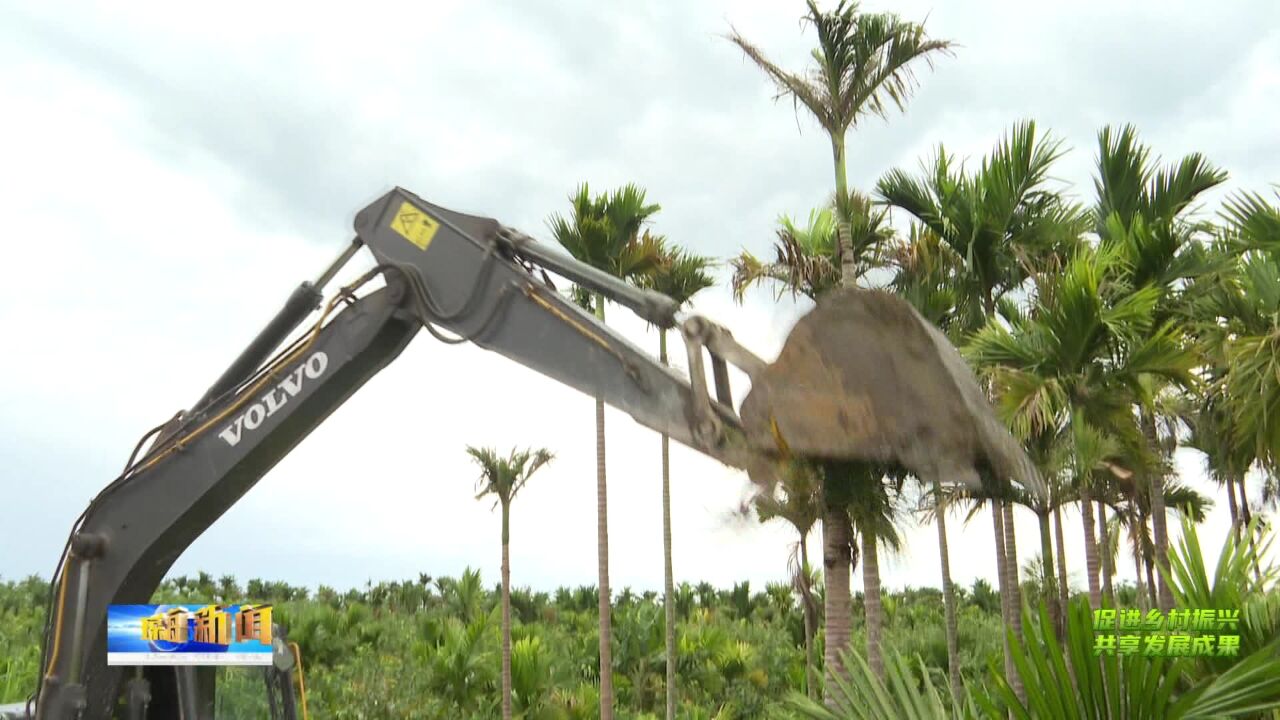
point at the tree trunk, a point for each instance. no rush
(1104, 534)
(1064, 592)
(837, 531)
(948, 598)
(1011, 589)
(837, 535)
(810, 622)
(1011, 566)
(602, 549)
(875, 611)
(1047, 579)
(1002, 559)
(1002, 573)
(1139, 585)
(1231, 505)
(1055, 586)
(1159, 517)
(844, 244)
(1090, 548)
(1246, 515)
(668, 576)
(1246, 519)
(1151, 585)
(506, 611)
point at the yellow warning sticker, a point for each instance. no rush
(415, 226)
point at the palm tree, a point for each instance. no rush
(679, 275)
(1003, 223)
(1048, 451)
(1132, 516)
(924, 275)
(806, 264)
(806, 258)
(1141, 210)
(1250, 386)
(1075, 365)
(1225, 459)
(798, 502)
(864, 64)
(1232, 310)
(1236, 300)
(604, 232)
(869, 491)
(1095, 463)
(228, 590)
(503, 478)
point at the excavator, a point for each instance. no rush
(861, 378)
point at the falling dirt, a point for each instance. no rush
(864, 377)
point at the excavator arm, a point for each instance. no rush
(464, 278)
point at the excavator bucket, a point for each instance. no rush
(864, 377)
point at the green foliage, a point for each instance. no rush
(862, 696)
(503, 477)
(1067, 681)
(430, 647)
(21, 622)
(604, 231)
(994, 226)
(863, 64)
(1132, 686)
(1241, 581)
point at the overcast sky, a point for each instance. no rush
(169, 173)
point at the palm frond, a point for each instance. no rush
(801, 89)
(1255, 219)
(907, 691)
(863, 64)
(678, 273)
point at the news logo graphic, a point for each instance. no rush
(189, 634)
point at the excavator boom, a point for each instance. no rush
(469, 278)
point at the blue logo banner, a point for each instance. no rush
(189, 634)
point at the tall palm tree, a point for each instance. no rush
(1141, 210)
(806, 263)
(1004, 223)
(1048, 452)
(1235, 300)
(604, 232)
(1251, 387)
(924, 274)
(503, 478)
(1097, 461)
(1076, 363)
(1233, 310)
(863, 65)
(679, 275)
